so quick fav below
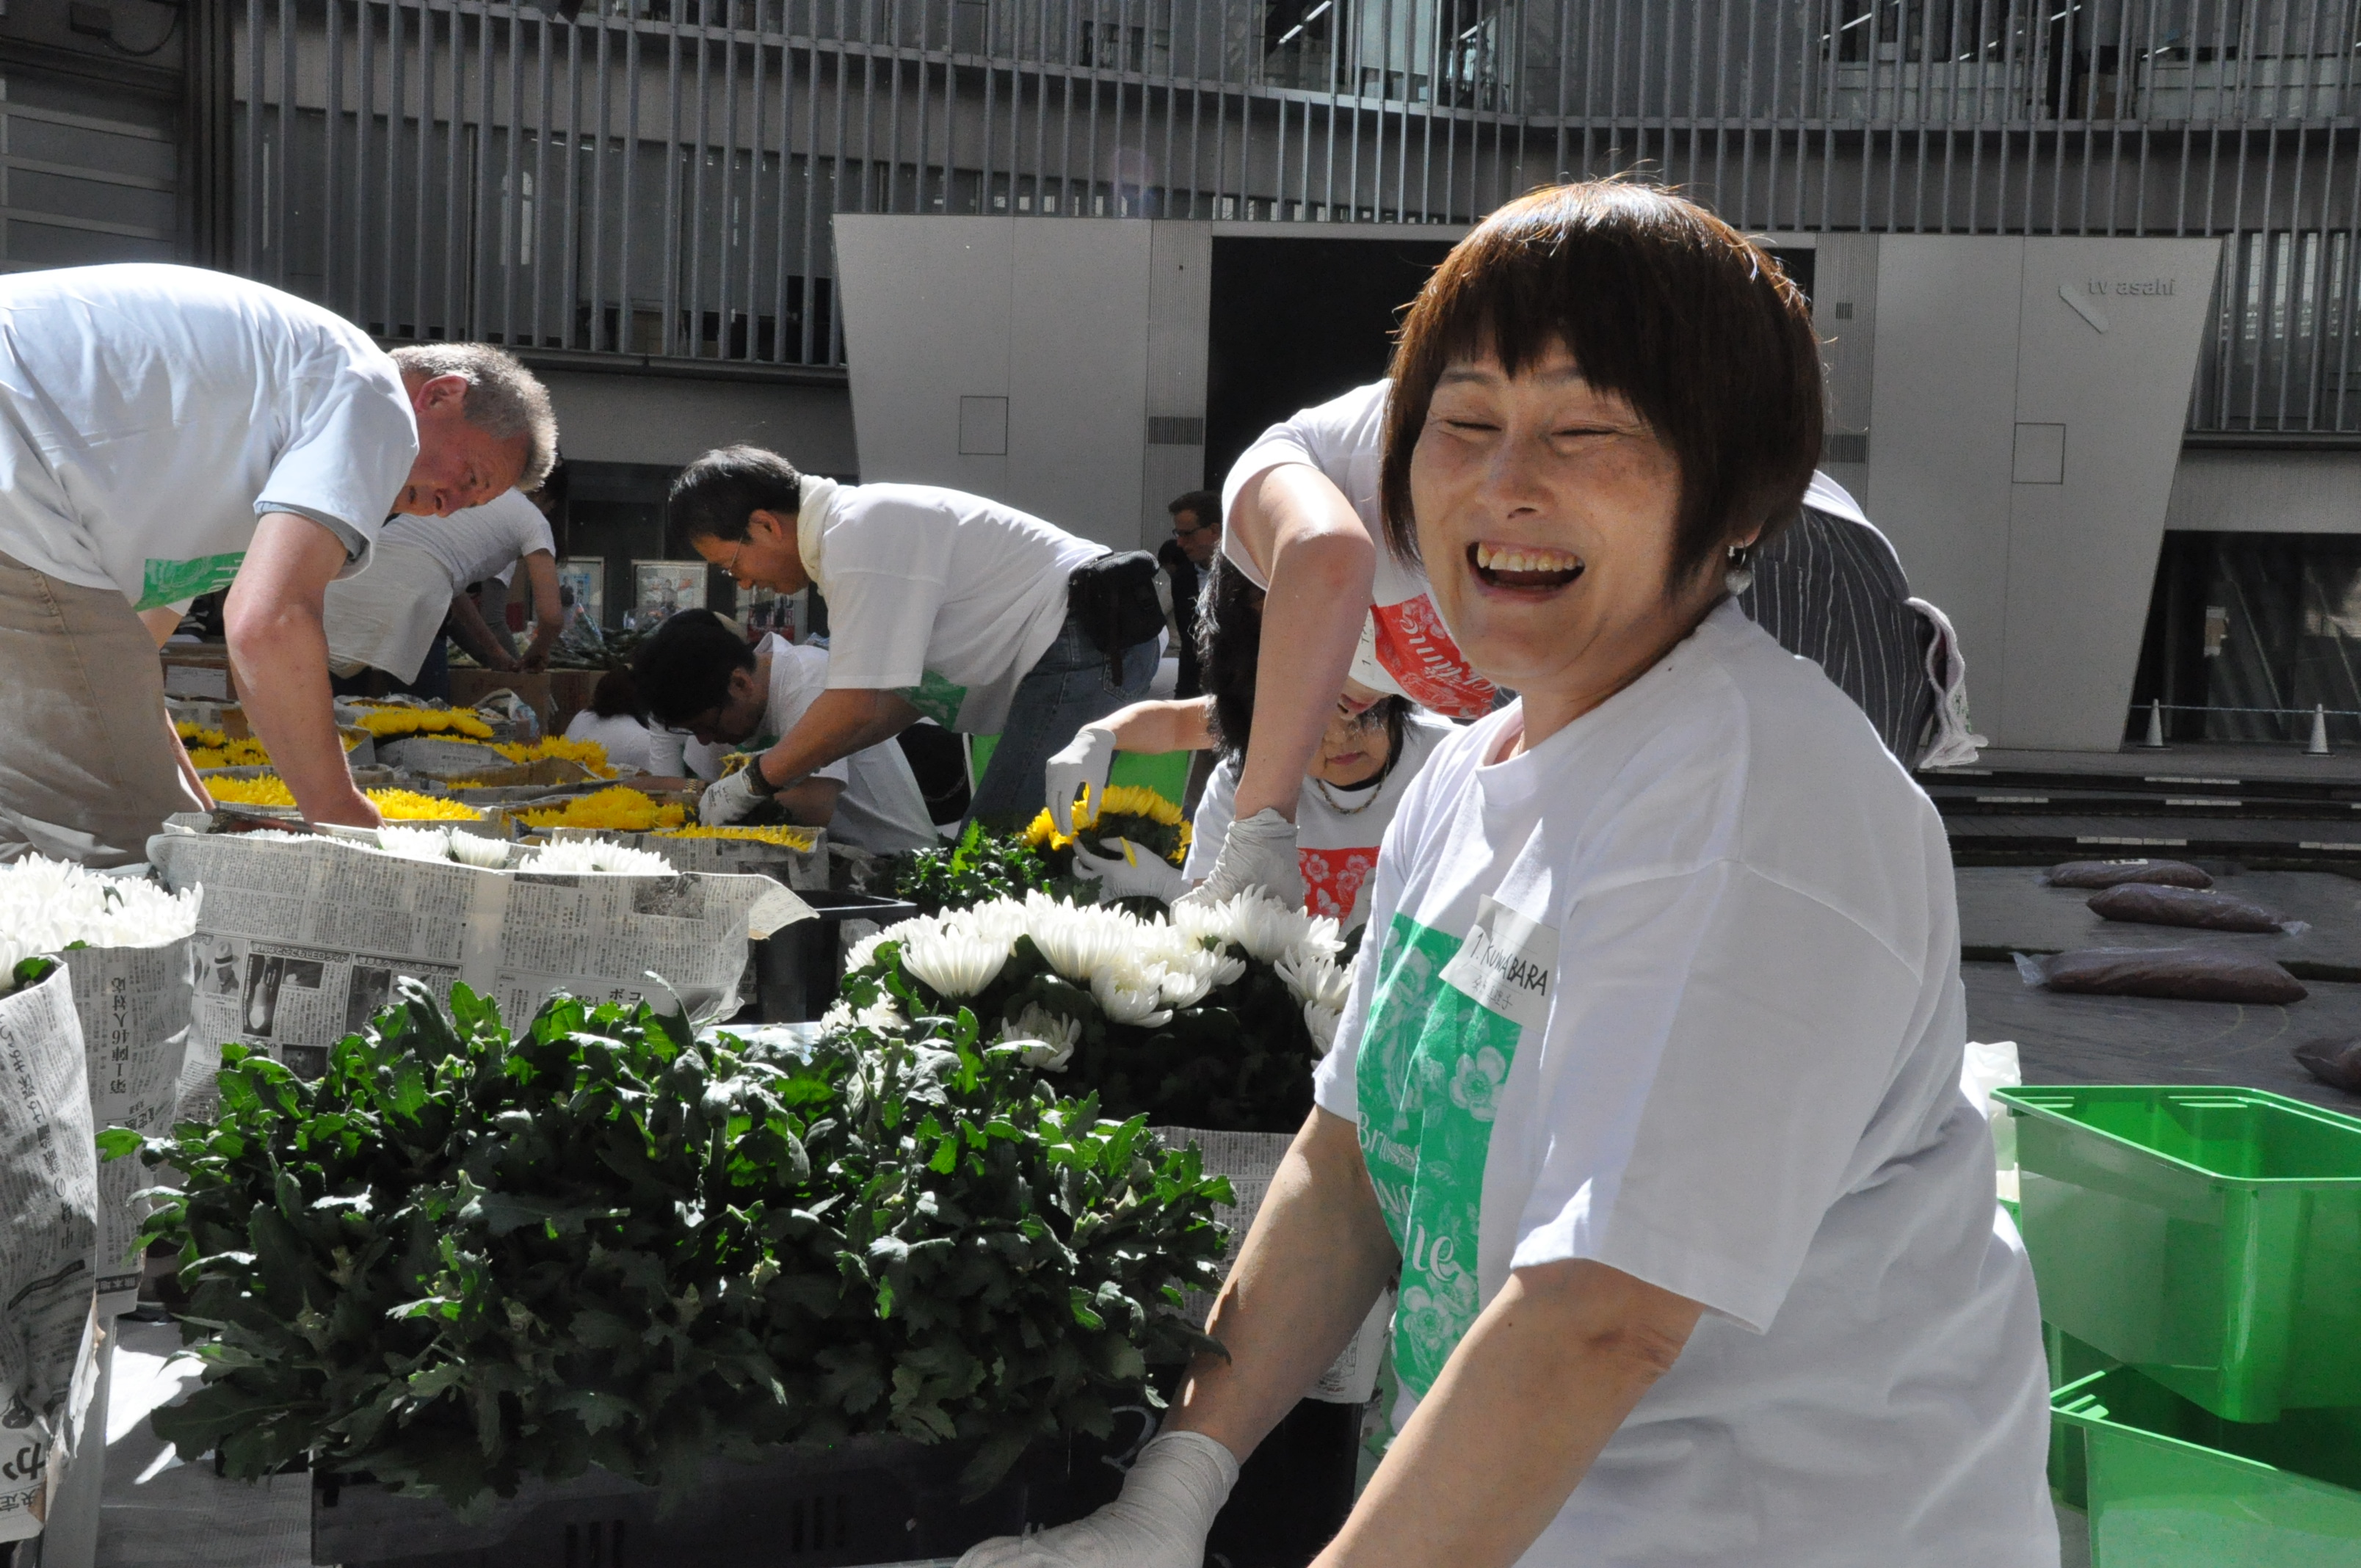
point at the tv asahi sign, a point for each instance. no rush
(2127, 287)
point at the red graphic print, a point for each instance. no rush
(1333, 879)
(1416, 648)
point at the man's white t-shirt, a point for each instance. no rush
(1336, 831)
(155, 413)
(1678, 992)
(1345, 439)
(477, 543)
(625, 739)
(881, 808)
(944, 599)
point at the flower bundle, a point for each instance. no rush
(397, 723)
(408, 805)
(47, 906)
(1211, 1017)
(241, 754)
(787, 838)
(194, 734)
(590, 754)
(269, 789)
(458, 1259)
(573, 856)
(619, 809)
(1122, 811)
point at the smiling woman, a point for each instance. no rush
(1647, 1096)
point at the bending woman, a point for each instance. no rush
(1375, 743)
(1649, 1088)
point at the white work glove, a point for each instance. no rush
(732, 799)
(1258, 853)
(1136, 871)
(1085, 762)
(1175, 1487)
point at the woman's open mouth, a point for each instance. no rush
(1523, 565)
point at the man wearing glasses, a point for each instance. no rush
(1187, 559)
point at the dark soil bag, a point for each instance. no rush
(2336, 1062)
(2150, 903)
(2112, 873)
(2180, 974)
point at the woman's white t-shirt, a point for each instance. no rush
(155, 413)
(623, 738)
(944, 599)
(1336, 833)
(881, 808)
(1677, 991)
(1345, 439)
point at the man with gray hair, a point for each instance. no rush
(170, 432)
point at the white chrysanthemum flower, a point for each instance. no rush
(1185, 985)
(478, 849)
(47, 906)
(1322, 1022)
(1204, 925)
(1049, 1039)
(1002, 920)
(1264, 926)
(881, 1016)
(1313, 976)
(955, 962)
(576, 856)
(1132, 994)
(1080, 942)
(415, 843)
(863, 953)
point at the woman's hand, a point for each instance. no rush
(1258, 853)
(1175, 1488)
(1084, 763)
(1136, 872)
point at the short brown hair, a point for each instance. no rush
(1660, 302)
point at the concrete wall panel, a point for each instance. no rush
(608, 418)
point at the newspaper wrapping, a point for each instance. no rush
(800, 869)
(1250, 1160)
(49, 1232)
(433, 757)
(299, 939)
(134, 1005)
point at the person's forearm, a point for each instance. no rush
(280, 655)
(812, 803)
(1321, 568)
(1542, 1379)
(1315, 1260)
(467, 624)
(544, 637)
(1161, 726)
(840, 722)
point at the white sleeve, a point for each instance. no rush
(888, 570)
(1325, 436)
(1217, 809)
(796, 681)
(349, 453)
(1707, 1082)
(665, 752)
(1334, 1087)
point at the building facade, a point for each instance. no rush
(640, 195)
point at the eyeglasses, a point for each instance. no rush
(732, 569)
(1181, 530)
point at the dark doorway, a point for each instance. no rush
(2246, 633)
(1297, 322)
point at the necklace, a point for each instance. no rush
(1376, 788)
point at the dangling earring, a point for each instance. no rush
(1740, 576)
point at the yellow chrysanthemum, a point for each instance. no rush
(793, 837)
(590, 754)
(196, 734)
(268, 790)
(394, 723)
(405, 806)
(247, 753)
(618, 810)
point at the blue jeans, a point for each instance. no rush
(1066, 689)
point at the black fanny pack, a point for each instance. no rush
(1114, 600)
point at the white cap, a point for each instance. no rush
(1365, 668)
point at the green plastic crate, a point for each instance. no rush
(2210, 1237)
(2167, 1484)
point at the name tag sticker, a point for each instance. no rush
(1507, 965)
